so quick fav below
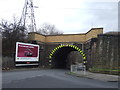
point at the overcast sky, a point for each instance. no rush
(69, 16)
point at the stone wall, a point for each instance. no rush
(107, 50)
(102, 52)
(90, 51)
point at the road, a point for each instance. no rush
(52, 78)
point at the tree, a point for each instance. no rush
(48, 29)
(11, 33)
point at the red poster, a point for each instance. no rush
(27, 51)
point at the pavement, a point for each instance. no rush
(97, 76)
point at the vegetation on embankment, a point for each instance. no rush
(115, 71)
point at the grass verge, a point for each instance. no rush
(105, 71)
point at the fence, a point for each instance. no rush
(78, 68)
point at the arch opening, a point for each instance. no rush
(59, 56)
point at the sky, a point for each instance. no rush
(68, 16)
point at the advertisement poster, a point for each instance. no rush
(27, 52)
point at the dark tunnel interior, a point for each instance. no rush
(60, 57)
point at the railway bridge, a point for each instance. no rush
(60, 51)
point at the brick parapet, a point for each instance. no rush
(93, 33)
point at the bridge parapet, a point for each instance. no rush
(93, 33)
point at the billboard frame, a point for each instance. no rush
(23, 61)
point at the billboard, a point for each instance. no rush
(26, 52)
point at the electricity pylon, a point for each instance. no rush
(28, 18)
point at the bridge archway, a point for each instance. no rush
(58, 56)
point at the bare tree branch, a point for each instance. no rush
(11, 33)
(48, 29)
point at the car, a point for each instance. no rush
(28, 52)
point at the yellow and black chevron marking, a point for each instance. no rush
(73, 46)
